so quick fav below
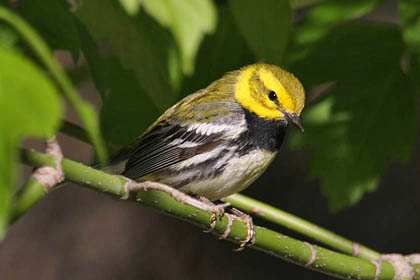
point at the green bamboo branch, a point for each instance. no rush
(292, 222)
(84, 110)
(268, 241)
(26, 197)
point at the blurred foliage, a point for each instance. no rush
(30, 106)
(370, 114)
(143, 56)
(49, 17)
(410, 20)
(131, 6)
(188, 20)
(140, 45)
(8, 38)
(266, 31)
(29, 101)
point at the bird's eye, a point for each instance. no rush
(272, 95)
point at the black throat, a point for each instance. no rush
(263, 133)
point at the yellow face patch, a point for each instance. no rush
(251, 99)
(273, 83)
(256, 81)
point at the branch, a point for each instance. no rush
(272, 214)
(268, 241)
(42, 180)
(28, 196)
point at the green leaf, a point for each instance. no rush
(353, 146)
(348, 50)
(8, 38)
(30, 106)
(126, 109)
(324, 17)
(409, 13)
(83, 109)
(189, 21)
(8, 181)
(265, 26)
(28, 100)
(139, 43)
(54, 21)
(131, 6)
(226, 40)
(368, 119)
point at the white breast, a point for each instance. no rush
(237, 175)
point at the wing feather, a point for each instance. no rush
(170, 140)
(158, 149)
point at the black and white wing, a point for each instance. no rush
(165, 145)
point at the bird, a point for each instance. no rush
(219, 140)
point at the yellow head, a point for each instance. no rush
(270, 92)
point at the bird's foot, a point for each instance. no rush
(129, 188)
(251, 236)
(236, 214)
(218, 211)
(202, 203)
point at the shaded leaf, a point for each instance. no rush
(139, 43)
(226, 40)
(369, 118)
(127, 113)
(189, 21)
(409, 13)
(54, 21)
(126, 109)
(265, 26)
(352, 148)
(30, 107)
(348, 50)
(324, 17)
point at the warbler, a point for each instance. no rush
(220, 139)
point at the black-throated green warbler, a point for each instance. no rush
(220, 139)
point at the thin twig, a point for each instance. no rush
(292, 222)
(41, 181)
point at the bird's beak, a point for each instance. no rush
(294, 118)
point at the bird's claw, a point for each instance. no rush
(219, 212)
(251, 236)
(231, 218)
